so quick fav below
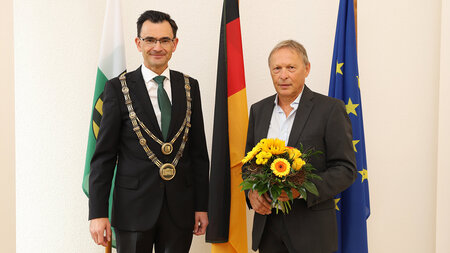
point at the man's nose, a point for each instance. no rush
(158, 46)
(283, 74)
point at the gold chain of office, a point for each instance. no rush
(167, 170)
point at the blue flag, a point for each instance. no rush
(352, 205)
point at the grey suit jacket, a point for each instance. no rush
(321, 123)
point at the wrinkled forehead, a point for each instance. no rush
(284, 54)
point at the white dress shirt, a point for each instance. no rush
(280, 125)
(152, 88)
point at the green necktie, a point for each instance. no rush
(164, 106)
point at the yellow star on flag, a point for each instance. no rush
(336, 201)
(358, 82)
(354, 144)
(351, 107)
(338, 68)
(364, 174)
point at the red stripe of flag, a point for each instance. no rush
(235, 62)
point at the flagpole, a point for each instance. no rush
(355, 5)
(108, 248)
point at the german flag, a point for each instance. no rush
(227, 228)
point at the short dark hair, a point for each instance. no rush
(156, 17)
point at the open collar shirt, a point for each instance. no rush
(280, 124)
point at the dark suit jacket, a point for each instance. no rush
(139, 191)
(322, 123)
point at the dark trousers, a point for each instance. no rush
(166, 236)
(275, 238)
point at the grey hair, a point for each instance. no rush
(292, 44)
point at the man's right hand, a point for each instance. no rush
(261, 204)
(97, 229)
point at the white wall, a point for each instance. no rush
(56, 51)
(399, 44)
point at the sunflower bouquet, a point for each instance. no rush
(271, 167)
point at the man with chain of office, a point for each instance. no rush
(152, 130)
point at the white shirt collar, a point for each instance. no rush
(294, 104)
(148, 74)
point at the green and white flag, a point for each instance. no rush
(111, 64)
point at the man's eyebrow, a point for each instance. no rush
(150, 37)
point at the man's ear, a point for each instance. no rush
(175, 43)
(307, 69)
(138, 44)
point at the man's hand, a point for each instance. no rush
(261, 204)
(97, 229)
(284, 196)
(201, 222)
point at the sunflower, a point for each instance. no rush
(297, 164)
(280, 167)
(274, 146)
(263, 157)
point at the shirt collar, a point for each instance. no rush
(148, 74)
(294, 104)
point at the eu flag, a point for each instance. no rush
(352, 205)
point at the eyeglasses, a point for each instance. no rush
(150, 41)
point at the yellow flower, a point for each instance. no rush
(274, 146)
(247, 158)
(294, 153)
(251, 154)
(280, 167)
(260, 161)
(263, 154)
(263, 157)
(298, 164)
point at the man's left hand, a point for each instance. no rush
(284, 196)
(201, 222)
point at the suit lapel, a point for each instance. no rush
(266, 116)
(178, 102)
(304, 109)
(136, 83)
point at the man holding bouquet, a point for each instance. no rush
(302, 118)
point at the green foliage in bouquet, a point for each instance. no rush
(271, 167)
